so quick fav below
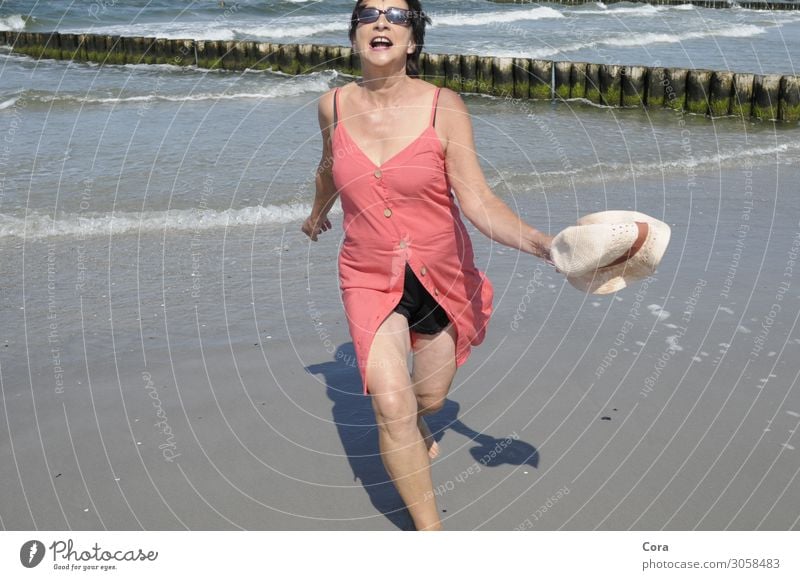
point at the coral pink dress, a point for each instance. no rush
(402, 212)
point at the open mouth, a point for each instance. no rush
(380, 42)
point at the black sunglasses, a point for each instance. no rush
(369, 14)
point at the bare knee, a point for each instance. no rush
(395, 414)
(430, 404)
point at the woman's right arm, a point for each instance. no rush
(326, 193)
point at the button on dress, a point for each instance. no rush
(403, 212)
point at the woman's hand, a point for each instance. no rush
(541, 246)
(313, 226)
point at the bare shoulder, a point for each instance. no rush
(452, 106)
(325, 109)
(452, 112)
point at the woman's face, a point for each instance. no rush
(381, 42)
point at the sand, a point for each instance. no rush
(672, 405)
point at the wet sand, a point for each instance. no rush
(672, 405)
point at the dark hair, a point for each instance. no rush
(418, 21)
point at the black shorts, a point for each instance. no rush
(420, 308)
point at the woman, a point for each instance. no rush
(394, 147)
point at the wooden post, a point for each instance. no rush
(129, 45)
(305, 58)
(522, 78)
(469, 73)
(611, 84)
(577, 80)
(541, 76)
(81, 52)
(351, 64)
(698, 89)
(789, 110)
(150, 50)
(333, 56)
(452, 72)
(634, 86)
(116, 49)
(766, 96)
(675, 88)
(742, 98)
(485, 79)
(287, 59)
(328, 57)
(719, 103)
(227, 51)
(161, 51)
(593, 83)
(434, 69)
(241, 56)
(503, 75)
(561, 83)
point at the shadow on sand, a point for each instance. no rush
(355, 422)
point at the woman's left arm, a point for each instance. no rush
(483, 208)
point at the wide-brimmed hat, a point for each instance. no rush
(607, 250)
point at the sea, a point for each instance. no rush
(156, 208)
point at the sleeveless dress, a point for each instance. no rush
(403, 212)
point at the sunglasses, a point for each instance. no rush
(368, 15)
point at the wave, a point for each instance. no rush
(296, 28)
(489, 18)
(645, 10)
(312, 83)
(37, 226)
(293, 30)
(629, 40)
(14, 22)
(599, 172)
(198, 31)
(8, 103)
(646, 38)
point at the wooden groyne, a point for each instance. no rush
(749, 4)
(704, 92)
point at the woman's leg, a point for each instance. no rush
(434, 369)
(395, 403)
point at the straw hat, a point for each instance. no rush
(607, 250)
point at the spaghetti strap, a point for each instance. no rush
(335, 107)
(435, 102)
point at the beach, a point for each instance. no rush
(174, 354)
(670, 405)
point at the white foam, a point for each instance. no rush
(658, 312)
(486, 19)
(293, 86)
(672, 342)
(648, 38)
(171, 30)
(293, 31)
(13, 22)
(8, 103)
(37, 226)
(725, 158)
(297, 27)
(646, 10)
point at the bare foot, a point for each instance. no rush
(427, 436)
